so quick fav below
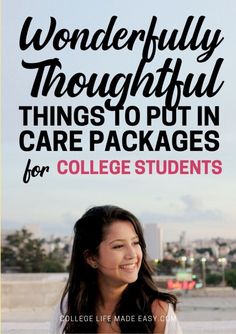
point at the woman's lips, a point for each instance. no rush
(129, 267)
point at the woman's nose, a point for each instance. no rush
(130, 253)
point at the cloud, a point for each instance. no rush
(195, 211)
(186, 210)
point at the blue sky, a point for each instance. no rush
(202, 205)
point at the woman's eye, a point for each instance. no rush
(117, 246)
(136, 243)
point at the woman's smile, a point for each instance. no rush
(129, 267)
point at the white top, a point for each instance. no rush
(57, 325)
(172, 323)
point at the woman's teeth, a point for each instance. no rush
(128, 266)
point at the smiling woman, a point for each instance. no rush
(110, 287)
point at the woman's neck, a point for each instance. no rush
(109, 296)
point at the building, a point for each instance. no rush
(154, 240)
(182, 240)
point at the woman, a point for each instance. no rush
(110, 287)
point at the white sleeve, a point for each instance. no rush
(172, 323)
(58, 323)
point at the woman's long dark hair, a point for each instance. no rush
(81, 288)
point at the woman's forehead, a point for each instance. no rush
(120, 229)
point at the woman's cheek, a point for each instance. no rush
(141, 255)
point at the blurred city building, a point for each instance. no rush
(154, 239)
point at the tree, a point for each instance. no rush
(23, 252)
(55, 260)
(166, 267)
(26, 254)
(8, 257)
(230, 277)
(213, 279)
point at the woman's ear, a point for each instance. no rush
(90, 259)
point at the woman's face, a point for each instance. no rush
(119, 255)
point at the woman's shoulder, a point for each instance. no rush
(160, 310)
(166, 321)
(159, 307)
